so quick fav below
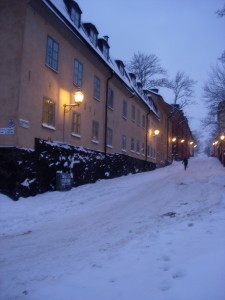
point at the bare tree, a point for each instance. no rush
(183, 89)
(214, 94)
(214, 88)
(148, 70)
(221, 12)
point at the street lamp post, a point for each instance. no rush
(78, 99)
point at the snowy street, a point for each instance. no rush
(157, 235)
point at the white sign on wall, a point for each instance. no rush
(24, 123)
(7, 130)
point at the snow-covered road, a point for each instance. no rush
(153, 236)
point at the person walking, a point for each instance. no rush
(185, 162)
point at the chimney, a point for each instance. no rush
(106, 37)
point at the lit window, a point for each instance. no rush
(96, 88)
(52, 53)
(78, 73)
(48, 116)
(95, 131)
(76, 123)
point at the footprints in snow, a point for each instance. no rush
(171, 274)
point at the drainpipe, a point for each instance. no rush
(146, 135)
(106, 111)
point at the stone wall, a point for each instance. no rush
(25, 173)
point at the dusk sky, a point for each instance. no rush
(186, 35)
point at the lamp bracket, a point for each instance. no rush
(70, 107)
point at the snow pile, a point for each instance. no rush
(157, 235)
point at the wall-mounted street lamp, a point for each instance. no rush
(156, 132)
(222, 137)
(78, 99)
(174, 139)
(182, 141)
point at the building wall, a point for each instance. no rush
(12, 24)
(33, 81)
(27, 81)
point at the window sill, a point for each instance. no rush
(48, 126)
(109, 146)
(76, 135)
(95, 141)
(51, 68)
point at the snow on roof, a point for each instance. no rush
(58, 7)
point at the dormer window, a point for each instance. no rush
(93, 38)
(133, 78)
(105, 51)
(104, 46)
(75, 16)
(139, 86)
(74, 12)
(92, 33)
(121, 66)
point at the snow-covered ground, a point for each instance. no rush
(153, 236)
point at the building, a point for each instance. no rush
(183, 143)
(164, 137)
(219, 142)
(50, 55)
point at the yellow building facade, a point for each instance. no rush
(48, 55)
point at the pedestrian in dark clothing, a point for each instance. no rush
(185, 162)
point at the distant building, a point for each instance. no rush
(182, 139)
(219, 142)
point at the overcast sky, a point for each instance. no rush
(186, 35)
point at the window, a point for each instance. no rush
(143, 121)
(52, 53)
(109, 137)
(133, 113)
(121, 68)
(76, 120)
(105, 51)
(124, 143)
(132, 144)
(124, 109)
(148, 150)
(75, 17)
(110, 98)
(96, 88)
(138, 147)
(78, 73)
(138, 117)
(95, 131)
(143, 149)
(93, 37)
(48, 117)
